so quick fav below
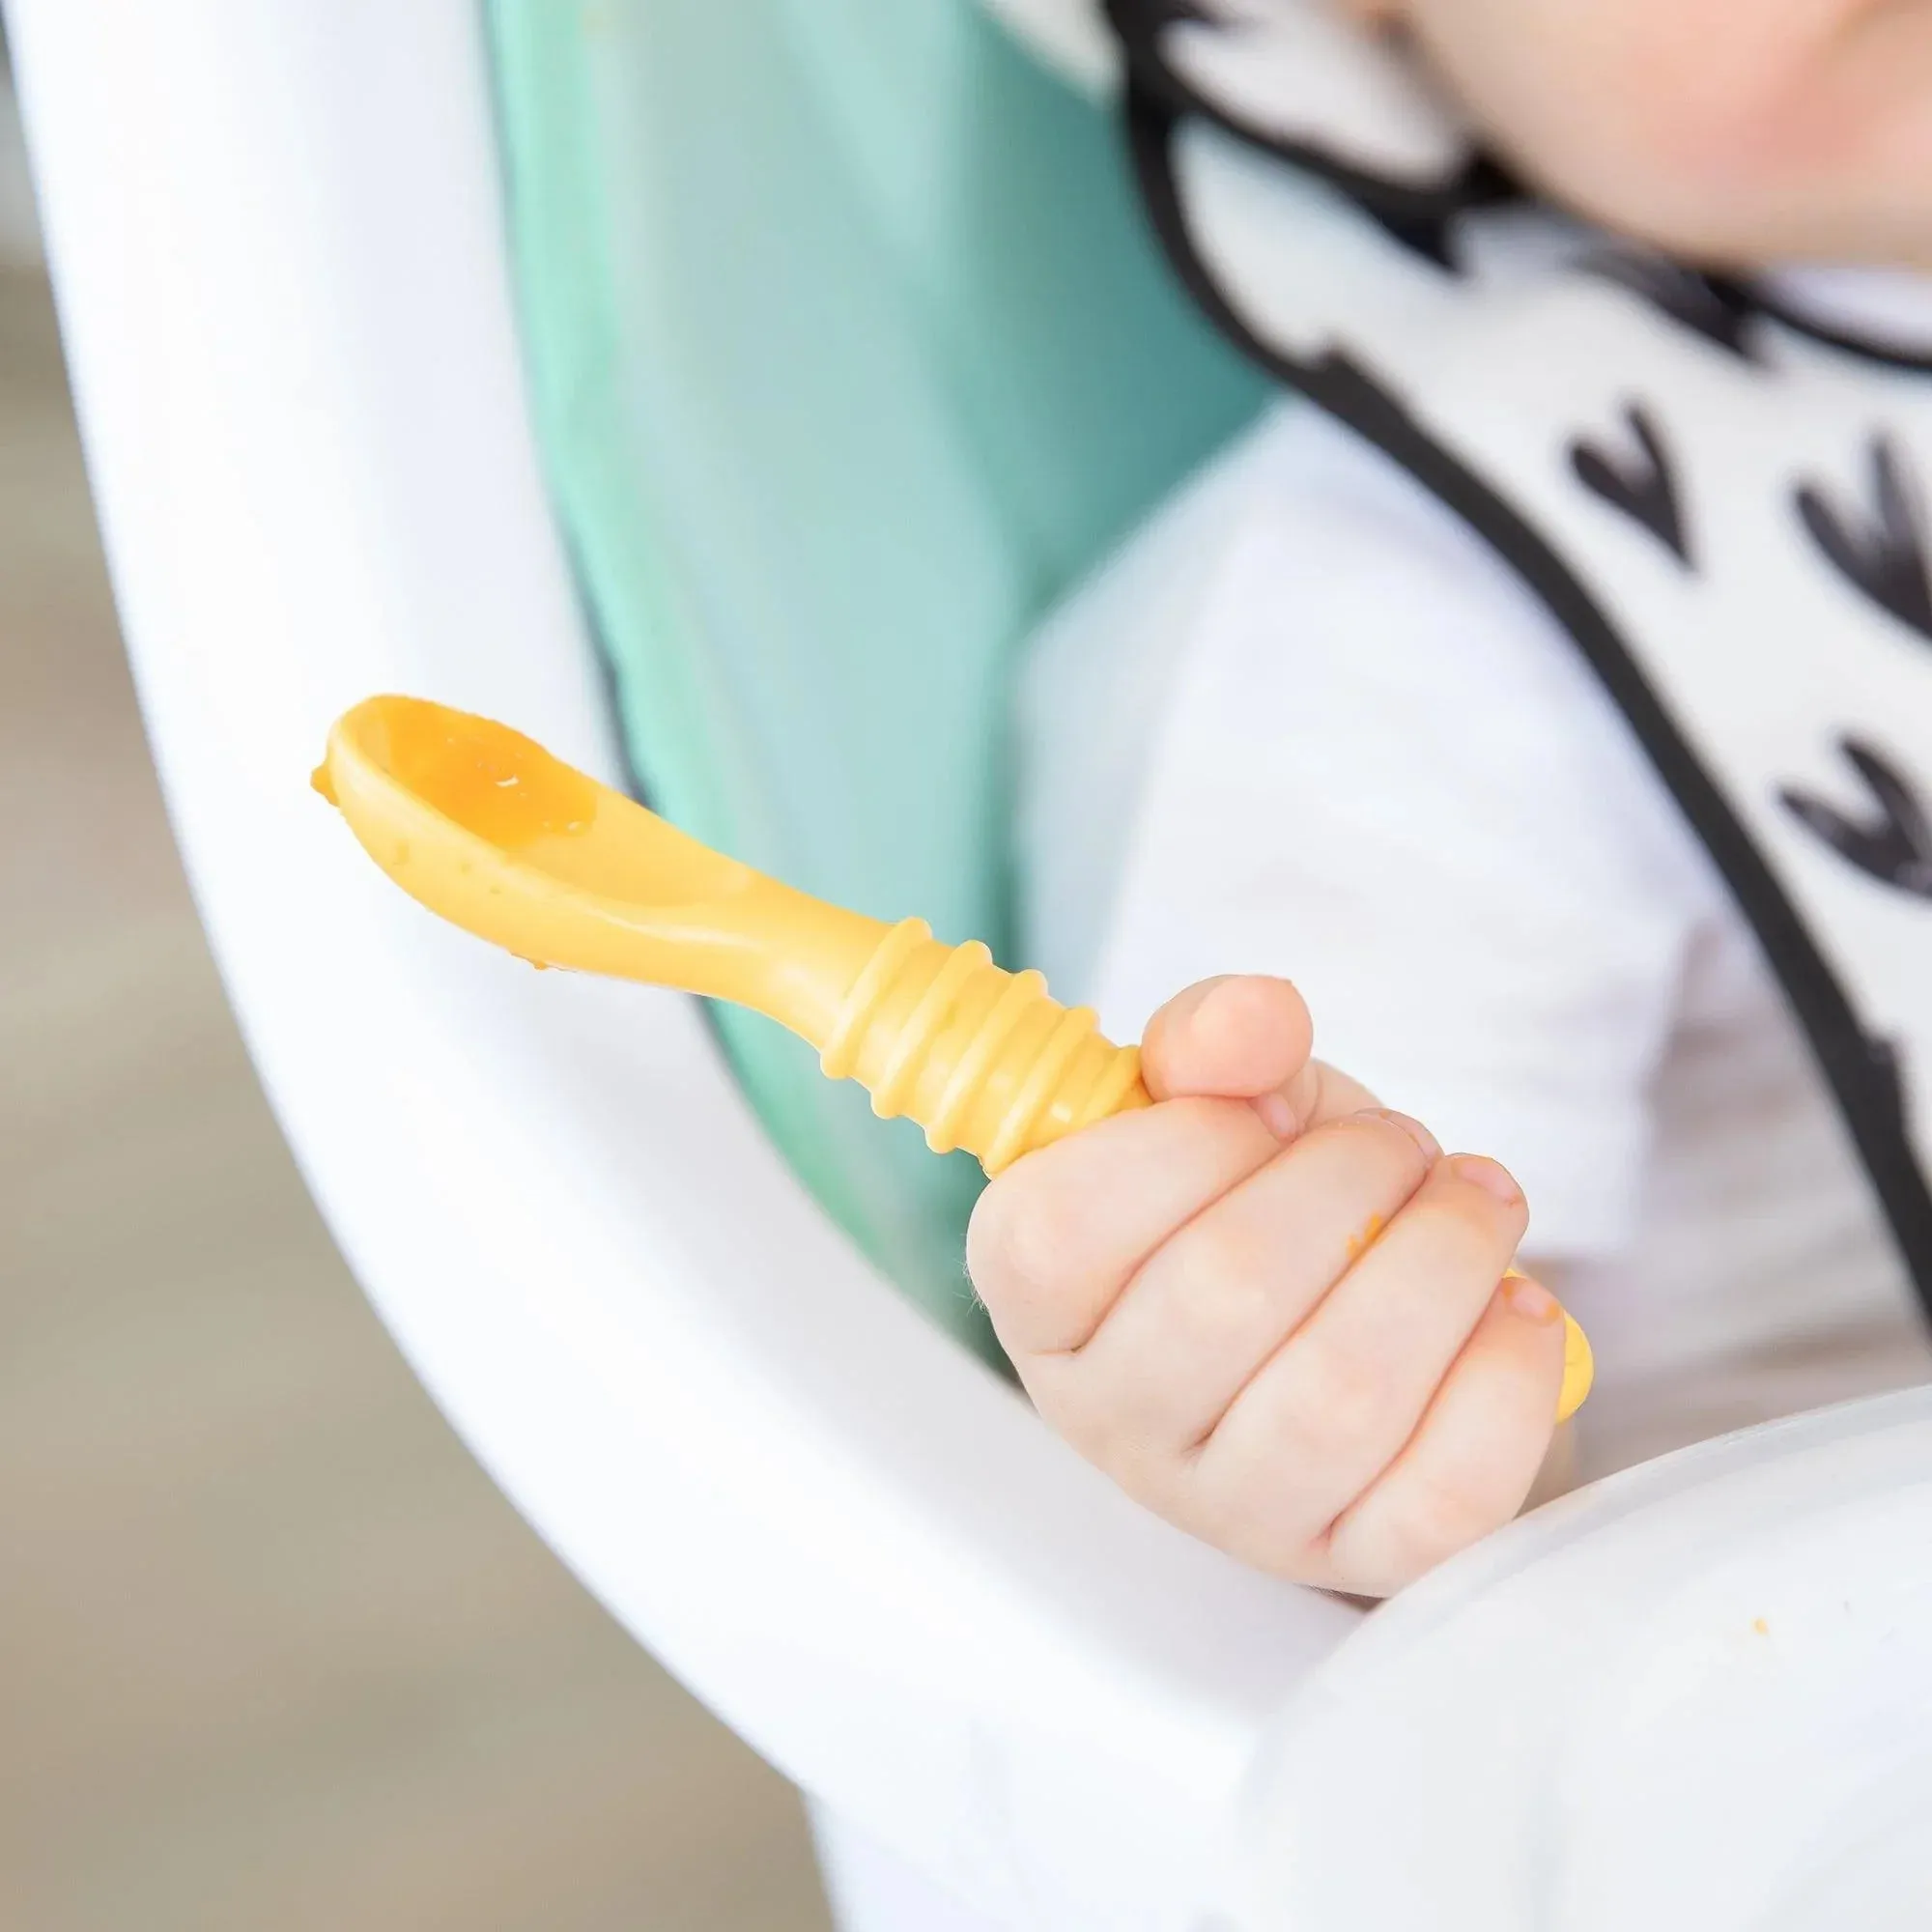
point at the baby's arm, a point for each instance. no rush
(1373, 762)
(1276, 1314)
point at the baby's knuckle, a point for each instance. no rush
(1423, 1522)
(1381, 1154)
(1382, 1560)
(1069, 1402)
(1275, 1548)
(1026, 1237)
(1084, 1425)
(1120, 1441)
(1220, 1255)
(1224, 1313)
(1349, 1402)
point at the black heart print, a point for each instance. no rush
(1883, 552)
(1893, 845)
(1640, 481)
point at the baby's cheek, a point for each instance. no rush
(1663, 117)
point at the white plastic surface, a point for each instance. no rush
(1698, 1695)
(275, 236)
(871, 1889)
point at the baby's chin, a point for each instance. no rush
(1730, 138)
(1734, 138)
(1765, 228)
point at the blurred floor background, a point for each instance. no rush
(272, 1651)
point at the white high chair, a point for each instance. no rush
(278, 235)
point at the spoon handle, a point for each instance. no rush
(982, 1059)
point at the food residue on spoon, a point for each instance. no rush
(490, 779)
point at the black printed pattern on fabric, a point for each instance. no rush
(1894, 843)
(1862, 1069)
(1867, 348)
(1479, 180)
(1641, 481)
(1148, 17)
(1884, 554)
(1433, 236)
(1707, 307)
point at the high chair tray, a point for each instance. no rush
(1698, 1694)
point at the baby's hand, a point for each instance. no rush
(1273, 1312)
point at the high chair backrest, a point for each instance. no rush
(847, 353)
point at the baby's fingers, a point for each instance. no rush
(1246, 1037)
(1057, 1237)
(1473, 1459)
(1054, 1239)
(1235, 1037)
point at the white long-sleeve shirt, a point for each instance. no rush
(1306, 723)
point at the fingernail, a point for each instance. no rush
(1492, 1176)
(1431, 1147)
(1198, 998)
(1530, 1298)
(1277, 1116)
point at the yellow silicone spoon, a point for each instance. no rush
(485, 828)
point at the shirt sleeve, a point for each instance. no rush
(1381, 770)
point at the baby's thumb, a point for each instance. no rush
(1237, 1037)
